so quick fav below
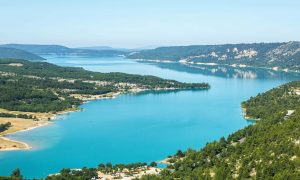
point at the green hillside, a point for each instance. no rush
(18, 54)
(268, 149)
(271, 55)
(44, 87)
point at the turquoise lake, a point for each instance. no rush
(140, 127)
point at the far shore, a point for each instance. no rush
(185, 62)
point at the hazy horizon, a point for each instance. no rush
(136, 24)
(142, 47)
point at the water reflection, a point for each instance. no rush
(228, 71)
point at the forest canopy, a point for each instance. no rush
(44, 87)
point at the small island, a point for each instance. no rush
(33, 93)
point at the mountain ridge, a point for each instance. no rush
(63, 50)
(18, 54)
(284, 55)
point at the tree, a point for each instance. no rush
(153, 164)
(180, 154)
(101, 166)
(16, 174)
(108, 165)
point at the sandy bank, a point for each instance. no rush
(88, 97)
(41, 119)
(10, 145)
(17, 125)
(166, 161)
(126, 174)
(20, 124)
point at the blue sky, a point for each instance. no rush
(139, 23)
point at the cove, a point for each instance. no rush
(141, 127)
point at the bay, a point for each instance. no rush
(141, 127)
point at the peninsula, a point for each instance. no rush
(32, 93)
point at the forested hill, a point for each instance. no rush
(268, 149)
(272, 55)
(63, 50)
(18, 54)
(43, 87)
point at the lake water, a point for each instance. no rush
(137, 127)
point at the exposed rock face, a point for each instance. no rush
(287, 50)
(283, 56)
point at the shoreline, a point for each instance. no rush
(216, 64)
(165, 161)
(15, 144)
(51, 117)
(241, 66)
(47, 118)
(87, 97)
(24, 145)
(247, 118)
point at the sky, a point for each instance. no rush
(144, 23)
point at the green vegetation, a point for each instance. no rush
(281, 99)
(268, 149)
(23, 116)
(4, 127)
(84, 174)
(90, 173)
(282, 55)
(44, 87)
(153, 164)
(16, 174)
(18, 54)
(33, 95)
(109, 168)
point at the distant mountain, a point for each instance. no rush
(63, 50)
(150, 47)
(97, 48)
(18, 54)
(272, 55)
(39, 49)
(101, 48)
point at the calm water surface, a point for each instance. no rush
(135, 128)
